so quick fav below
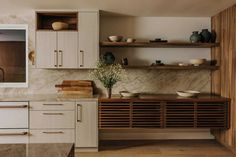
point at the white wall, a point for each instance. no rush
(146, 28)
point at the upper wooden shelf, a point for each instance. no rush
(159, 44)
(175, 67)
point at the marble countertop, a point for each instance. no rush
(37, 150)
(46, 97)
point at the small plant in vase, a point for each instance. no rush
(108, 75)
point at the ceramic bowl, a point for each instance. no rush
(115, 38)
(128, 94)
(197, 62)
(188, 93)
(59, 26)
(130, 40)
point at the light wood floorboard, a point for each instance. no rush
(161, 148)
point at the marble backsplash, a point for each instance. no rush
(42, 81)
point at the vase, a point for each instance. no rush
(109, 58)
(213, 36)
(195, 37)
(206, 36)
(109, 92)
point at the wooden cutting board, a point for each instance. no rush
(83, 93)
(78, 88)
(77, 82)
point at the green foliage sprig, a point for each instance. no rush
(108, 74)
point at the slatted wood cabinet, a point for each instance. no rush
(139, 113)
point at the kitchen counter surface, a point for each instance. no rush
(166, 97)
(37, 150)
(46, 97)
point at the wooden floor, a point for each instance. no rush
(167, 148)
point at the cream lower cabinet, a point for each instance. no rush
(56, 50)
(14, 122)
(87, 124)
(52, 122)
(88, 39)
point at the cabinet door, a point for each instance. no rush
(87, 124)
(14, 136)
(67, 49)
(13, 115)
(88, 39)
(46, 49)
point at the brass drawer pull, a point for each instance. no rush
(53, 132)
(14, 134)
(15, 106)
(79, 113)
(52, 104)
(52, 113)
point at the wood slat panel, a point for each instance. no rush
(147, 115)
(224, 80)
(164, 115)
(114, 115)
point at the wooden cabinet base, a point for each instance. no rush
(140, 113)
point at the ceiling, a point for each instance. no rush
(174, 8)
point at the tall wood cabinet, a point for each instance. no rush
(76, 47)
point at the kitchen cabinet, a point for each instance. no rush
(165, 112)
(88, 39)
(56, 49)
(52, 122)
(87, 124)
(14, 122)
(75, 48)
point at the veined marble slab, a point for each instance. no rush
(37, 150)
(46, 97)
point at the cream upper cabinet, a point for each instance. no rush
(88, 39)
(56, 49)
(87, 124)
(46, 49)
(67, 49)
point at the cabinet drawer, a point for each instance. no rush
(13, 136)
(57, 105)
(52, 119)
(13, 115)
(52, 136)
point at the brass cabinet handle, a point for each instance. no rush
(52, 113)
(52, 104)
(79, 113)
(60, 56)
(55, 58)
(14, 134)
(81, 58)
(53, 132)
(14, 106)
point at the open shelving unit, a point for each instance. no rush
(174, 67)
(159, 44)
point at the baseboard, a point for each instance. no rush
(154, 134)
(86, 149)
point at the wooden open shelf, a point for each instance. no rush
(44, 20)
(159, 44)
(173, 67)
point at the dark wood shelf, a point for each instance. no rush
(159, 44)
(172, 67)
